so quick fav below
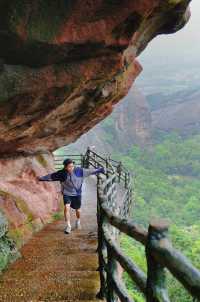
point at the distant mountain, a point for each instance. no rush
(136, 120)
(129, 123)
(178, 112)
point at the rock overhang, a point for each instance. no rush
(65, 65)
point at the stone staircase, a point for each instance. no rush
(55, 266)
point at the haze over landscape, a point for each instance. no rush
(171, 62)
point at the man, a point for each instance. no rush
(71, 179)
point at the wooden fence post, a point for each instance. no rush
(112, 268)
(130, 201)
(82, 160)
(107, 165)
(119, 171)
(87, 158)
(156, 276)
(126, 180)
(101, 245)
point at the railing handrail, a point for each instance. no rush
(94, 158)
(160, 253)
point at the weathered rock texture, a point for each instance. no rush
(65, 63)
(25, 204)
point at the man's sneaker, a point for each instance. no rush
(68, 229)
(78, 224)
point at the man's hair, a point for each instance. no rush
(67, 161)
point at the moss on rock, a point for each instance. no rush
(8, 250)
(40, 158)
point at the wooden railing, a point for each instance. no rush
(113, 218)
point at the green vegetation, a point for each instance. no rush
(167, 186)
(109, 136)
(7, 252)
(57, 215)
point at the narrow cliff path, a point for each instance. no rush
(55, 266)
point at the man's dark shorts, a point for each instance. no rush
(74, 201)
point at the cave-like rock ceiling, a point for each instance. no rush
(65, 63)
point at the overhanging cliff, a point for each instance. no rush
(64, 64)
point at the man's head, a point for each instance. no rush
(68, 165)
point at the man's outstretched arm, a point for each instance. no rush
(92, 171)
(56, 176)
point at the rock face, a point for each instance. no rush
(133, 123)
(128, 124)
(25, 204)
(65, 63)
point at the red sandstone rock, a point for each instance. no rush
(27, 203)
(65, 64)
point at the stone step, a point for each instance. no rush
(50, 289)
(55, 266)
(57, 274)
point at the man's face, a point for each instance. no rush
(69, 168)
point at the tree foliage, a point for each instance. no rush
(167, 186)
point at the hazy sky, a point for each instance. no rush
(172, 62)
(184, 42)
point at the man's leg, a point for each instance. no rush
(67, 218)
(67, 213)
(67, 203)
(78, 214)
